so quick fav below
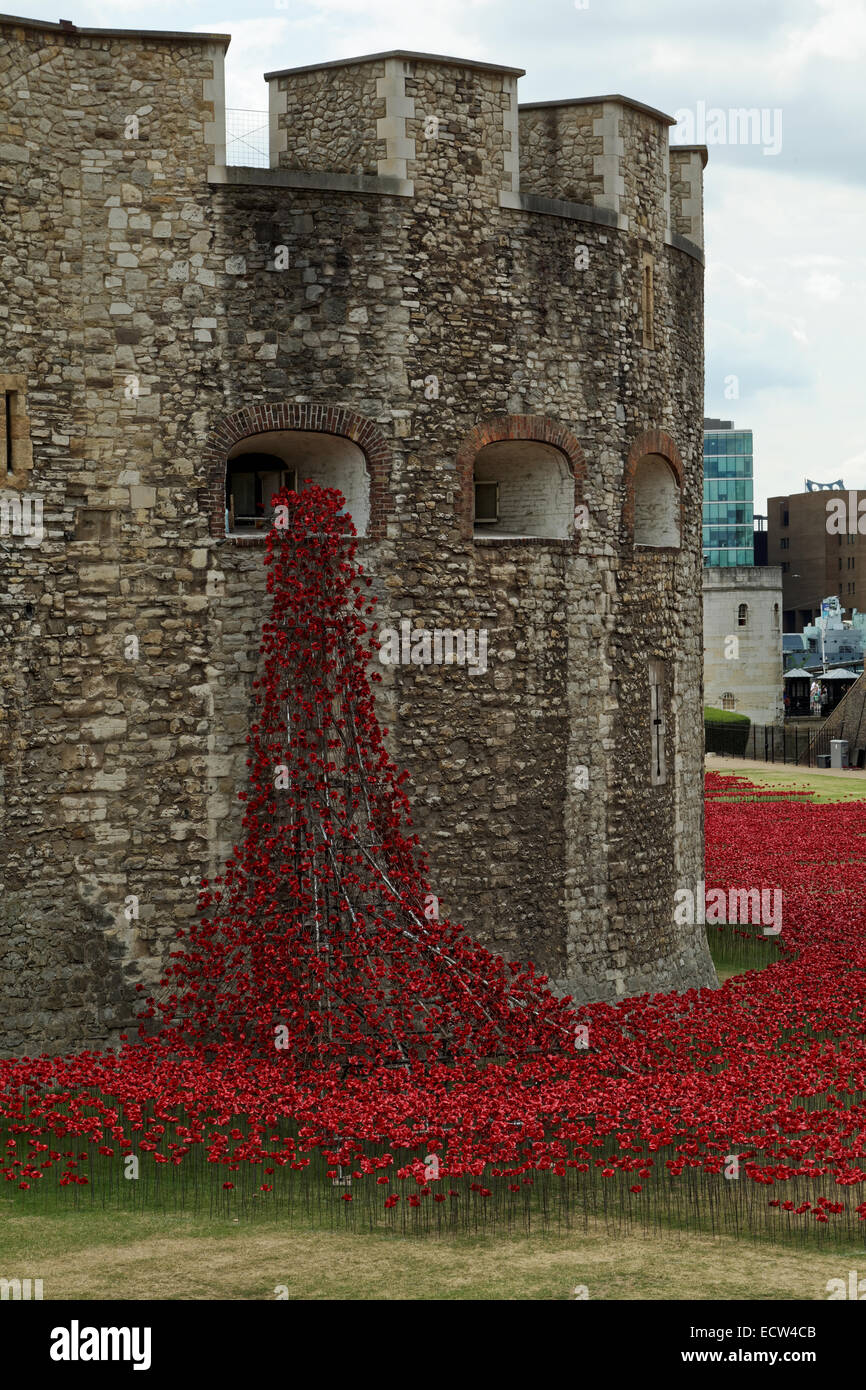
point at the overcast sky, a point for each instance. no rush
(786, 253)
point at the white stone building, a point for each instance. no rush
(743, 641)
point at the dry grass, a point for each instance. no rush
(101, 1256)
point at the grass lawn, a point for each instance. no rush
(843, 786)
(99, 1256)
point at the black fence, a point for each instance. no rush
(770, 743)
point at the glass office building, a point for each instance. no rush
(728, 495)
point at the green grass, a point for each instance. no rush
(844, 787)
(733, 954)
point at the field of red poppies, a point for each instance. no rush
(325, 1046)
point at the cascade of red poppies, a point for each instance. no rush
(321, 940)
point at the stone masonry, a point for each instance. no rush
(425, 271)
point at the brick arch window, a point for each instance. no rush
(653, 492)
(287, 443)
(521, 477)
(742, 615)
(729, 700)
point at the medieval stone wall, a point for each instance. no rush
(160, 318)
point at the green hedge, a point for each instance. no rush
(724, 716)
(726, 732)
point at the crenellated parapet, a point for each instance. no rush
(423, 125)
(687, 164)
(443, 127)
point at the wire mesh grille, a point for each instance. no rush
(247, 137)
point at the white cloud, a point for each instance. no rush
(824, 287)
(838, 34)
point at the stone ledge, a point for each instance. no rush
(242, 175)
(598, 101)
(176, 36)
(553, 542)
(681, 243)
(402, 53)
(558, 207)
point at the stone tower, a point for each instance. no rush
(483, 322)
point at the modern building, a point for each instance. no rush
(430, 300)
(833, 639)
(814, 537)
(728, 495)
(743, 641)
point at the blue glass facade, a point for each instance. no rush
(728, 498)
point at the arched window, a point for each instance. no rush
(743, 614)
(656, 503)
(261, 464)
(775, 615)
(729, 700)
(523, 487)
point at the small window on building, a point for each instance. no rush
(10, 411)
(15, 447)
(775, 615)
(658, 729)
(729, 700)
(656, 503)
(742, 615)
(647, 300)
(784, 543)
(784, 516)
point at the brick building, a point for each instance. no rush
(815, 538)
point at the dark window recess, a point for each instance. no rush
(8, 412)
(486, 503)
(252, 481)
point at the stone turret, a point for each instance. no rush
(483, 322)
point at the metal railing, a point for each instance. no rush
(768, 743)
(247, 140)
